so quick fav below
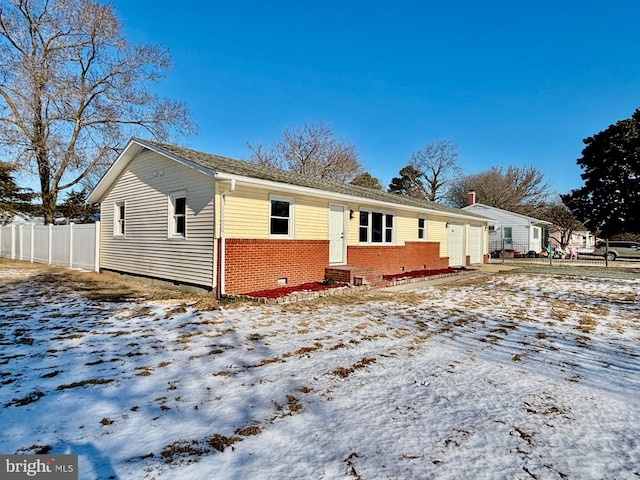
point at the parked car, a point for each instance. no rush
(618, 249)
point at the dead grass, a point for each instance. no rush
(248, 431)
(21, 402)
(84, 383)
(587, 323)
(343, 372)
(110, 287)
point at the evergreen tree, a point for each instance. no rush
(408, 183)
(609, 202)
(13, 199)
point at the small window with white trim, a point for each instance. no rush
(280, 216)
(178, 215)
(422, 229)
(118, 219)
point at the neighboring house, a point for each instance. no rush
(234, 227)
(583, 240)
(510, 231)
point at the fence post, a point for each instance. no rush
(20, 239)
(50, 255)
(97, 253)
(13, 242)
(33, 242)
(71, 244)
(606, 253)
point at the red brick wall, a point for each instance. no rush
(388, 260)
(252, 265)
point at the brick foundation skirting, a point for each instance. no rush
(389, 260)
(259, 264)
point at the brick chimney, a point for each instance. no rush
(471, 197)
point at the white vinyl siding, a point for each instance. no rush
(145, 250)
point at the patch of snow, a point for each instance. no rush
(509, 376)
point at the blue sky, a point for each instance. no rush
(508, 82)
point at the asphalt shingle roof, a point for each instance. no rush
(226, 165)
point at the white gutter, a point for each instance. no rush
(232, 188)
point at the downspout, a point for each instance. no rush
(232, 188)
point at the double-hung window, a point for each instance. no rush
(118, 219)
(376, 227)
(280, 216)
(422, 229)
(178, 215)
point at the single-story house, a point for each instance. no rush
(234, 227)
(510, 231)
(583, 240)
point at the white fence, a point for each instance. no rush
(72, 245)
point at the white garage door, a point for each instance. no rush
(475, 243)
(456, 244)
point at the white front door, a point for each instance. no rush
(536, 239)
(456, 244)
(337, 240)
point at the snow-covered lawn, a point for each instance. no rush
(509, 376)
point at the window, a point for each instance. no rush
(178, 215)
(280, 216)
(364, 227)
(376, 227)
(422, 229)
(388, 228)
(118, 219)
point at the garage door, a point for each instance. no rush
(475, 243)
(456, 244)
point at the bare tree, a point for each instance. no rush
(311, 150)
(438, 165)
(262, 155)
(564, 222)
(72, 90)
(516, 189)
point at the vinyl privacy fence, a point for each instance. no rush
(72, 245)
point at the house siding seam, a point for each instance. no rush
(257, 264)
(388, 260)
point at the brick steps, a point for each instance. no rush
(356, 276)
